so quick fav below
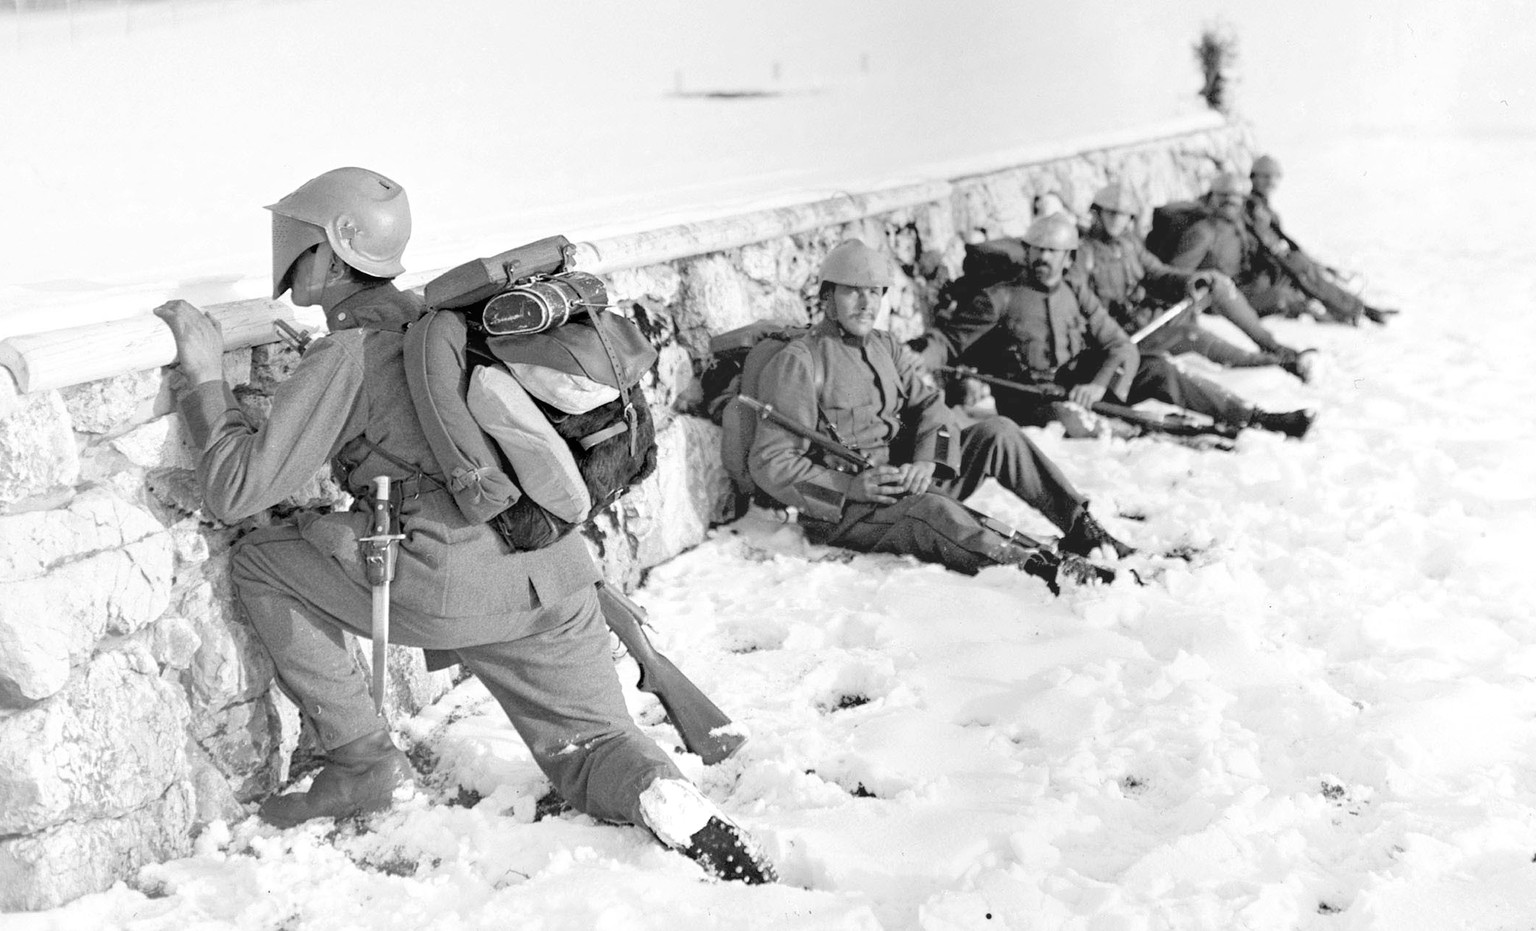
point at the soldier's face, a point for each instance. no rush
(1113, 222)
(1047, 266)
(1264, 181)
(854, 308)
(1229, 205)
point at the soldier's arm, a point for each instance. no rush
(245, 467)
(1158, 276)
(1119, 352)
(780, 462)
(973, 318)
(926, 414)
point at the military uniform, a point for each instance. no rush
(1283, 277)
(1136, 286)
(1064, 336)
(872, 395)
(527, 624)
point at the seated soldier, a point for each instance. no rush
(1292, 275)
(863, 388)
(1042, 328)
(1136, 286)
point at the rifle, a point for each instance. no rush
(1167, 315)
(1170, 424)
(702, 725)
(862, 462)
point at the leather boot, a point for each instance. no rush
(684, 820)
(1291, 423)
(1053, 568)
(358, 777)
(1087, 535)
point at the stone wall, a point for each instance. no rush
(135, 706)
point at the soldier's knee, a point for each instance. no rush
(934, 509)
(992, 431)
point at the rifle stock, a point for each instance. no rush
(699, 721)
(1171, 425)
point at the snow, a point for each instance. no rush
(1325, 719)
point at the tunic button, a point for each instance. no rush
(342, 315)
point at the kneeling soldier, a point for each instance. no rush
(526, 623)
(866, 390)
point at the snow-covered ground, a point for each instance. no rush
(1327, 719)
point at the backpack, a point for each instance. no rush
(527, 390)
(1169, 223)
(737, 360)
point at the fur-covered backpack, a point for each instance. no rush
(527, 388)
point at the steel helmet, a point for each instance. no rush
(1054, 231)
(364, 216)
(854, 264)
(1230, 183)
(1116, 197)
(1266, 164)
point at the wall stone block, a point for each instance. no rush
(95, 520)
(158, 443)
(50, 868)
(48, 623)
(37, 448)
(109, 744)
(230, 665)
(671, 511)
(112, 404)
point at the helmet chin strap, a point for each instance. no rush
(321, 269)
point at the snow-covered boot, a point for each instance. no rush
(1053, 568)
(358, 777)
(1300, 364)
(1291, 423)
(1087, 535)
(684, 820)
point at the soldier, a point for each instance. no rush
(1290, 273)
(1041, 327)
(527, 624)
(865, 389)
(1136, 285)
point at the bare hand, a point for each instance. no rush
(879, 485)
(199, 341)
(1087, 395)
(916, 477)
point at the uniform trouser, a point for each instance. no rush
(1157, 378)
(936, 527)
(1228, 301)
(1287, 292)
(1175, 338)
(555, 680)
(995, 447)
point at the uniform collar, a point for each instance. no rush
(378, 307)
(830, 327)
